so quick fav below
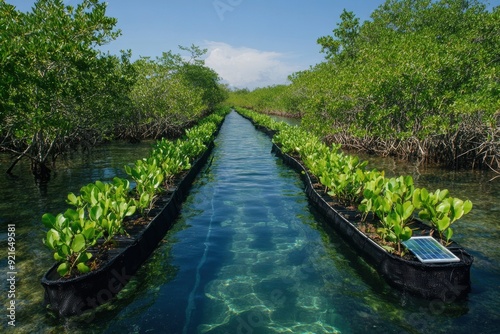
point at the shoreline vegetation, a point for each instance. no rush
(59, 92)
(112, 227)
(419, 81)
(81, 236)
(385, 208)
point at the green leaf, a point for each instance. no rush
(95, 213)
(442, 194)
(61, 222)
(72, 215)
(84, 257)
(408, 180)
(443, 223)
(408, 210)
(100, 185)
(443, 207)
(63, 268)
(144, 200)
(72, 199)
(48, 220)
(128, 170)
(406, 234)
(82, 268)
(448, 233)
(130, 210)
(89, 233)
(417, 202)
(64, 250)
(424, 215)
(424, 195)
(58, 257)
(467, 207)
(78, 243)
(52, 238)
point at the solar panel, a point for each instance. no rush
(429, 250)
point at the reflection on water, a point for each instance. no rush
(248, 254)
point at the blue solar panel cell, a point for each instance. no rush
(429, 250)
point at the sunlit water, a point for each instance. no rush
(248, 255)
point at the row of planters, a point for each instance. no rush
(384, 209)
(110, 228)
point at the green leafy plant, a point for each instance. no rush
(70, 236)
(106, 204)
(348, 178)
(148, 177)
(440, 209)
(171, 157)
(391, 201)
(342, 175)
(99, 210)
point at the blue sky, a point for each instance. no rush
(251, 43)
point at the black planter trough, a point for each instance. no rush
(444, 281)
(447, 282)
(75, 295)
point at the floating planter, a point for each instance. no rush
(445, 277)
(73, 286)
(447, 281)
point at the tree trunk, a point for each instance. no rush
(16, 160)
(40, 170)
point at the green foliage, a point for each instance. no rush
(349, 180)
(262, 120)
(57, 90)
(393, 201)
(346, 33)
(106, 204)
(342, 175)
(148, 177)
(69, 236)
(171, 93)
(98, 212)
(168, 158)
(420, 79)
(440, 209)
(55, 83)
(276, 98)
(100, 208)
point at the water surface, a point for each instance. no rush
(249, 255)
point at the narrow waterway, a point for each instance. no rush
(246, 253)
(249, 255)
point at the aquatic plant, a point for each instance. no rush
(440, 209)
(392, 200)
(98, 212)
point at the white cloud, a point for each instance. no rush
(245, 67)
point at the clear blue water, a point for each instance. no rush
(249, 255)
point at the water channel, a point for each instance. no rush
(248, 254)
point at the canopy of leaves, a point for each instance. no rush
(57, 90)
(172, 92)
(420, 79)
(54, 82)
